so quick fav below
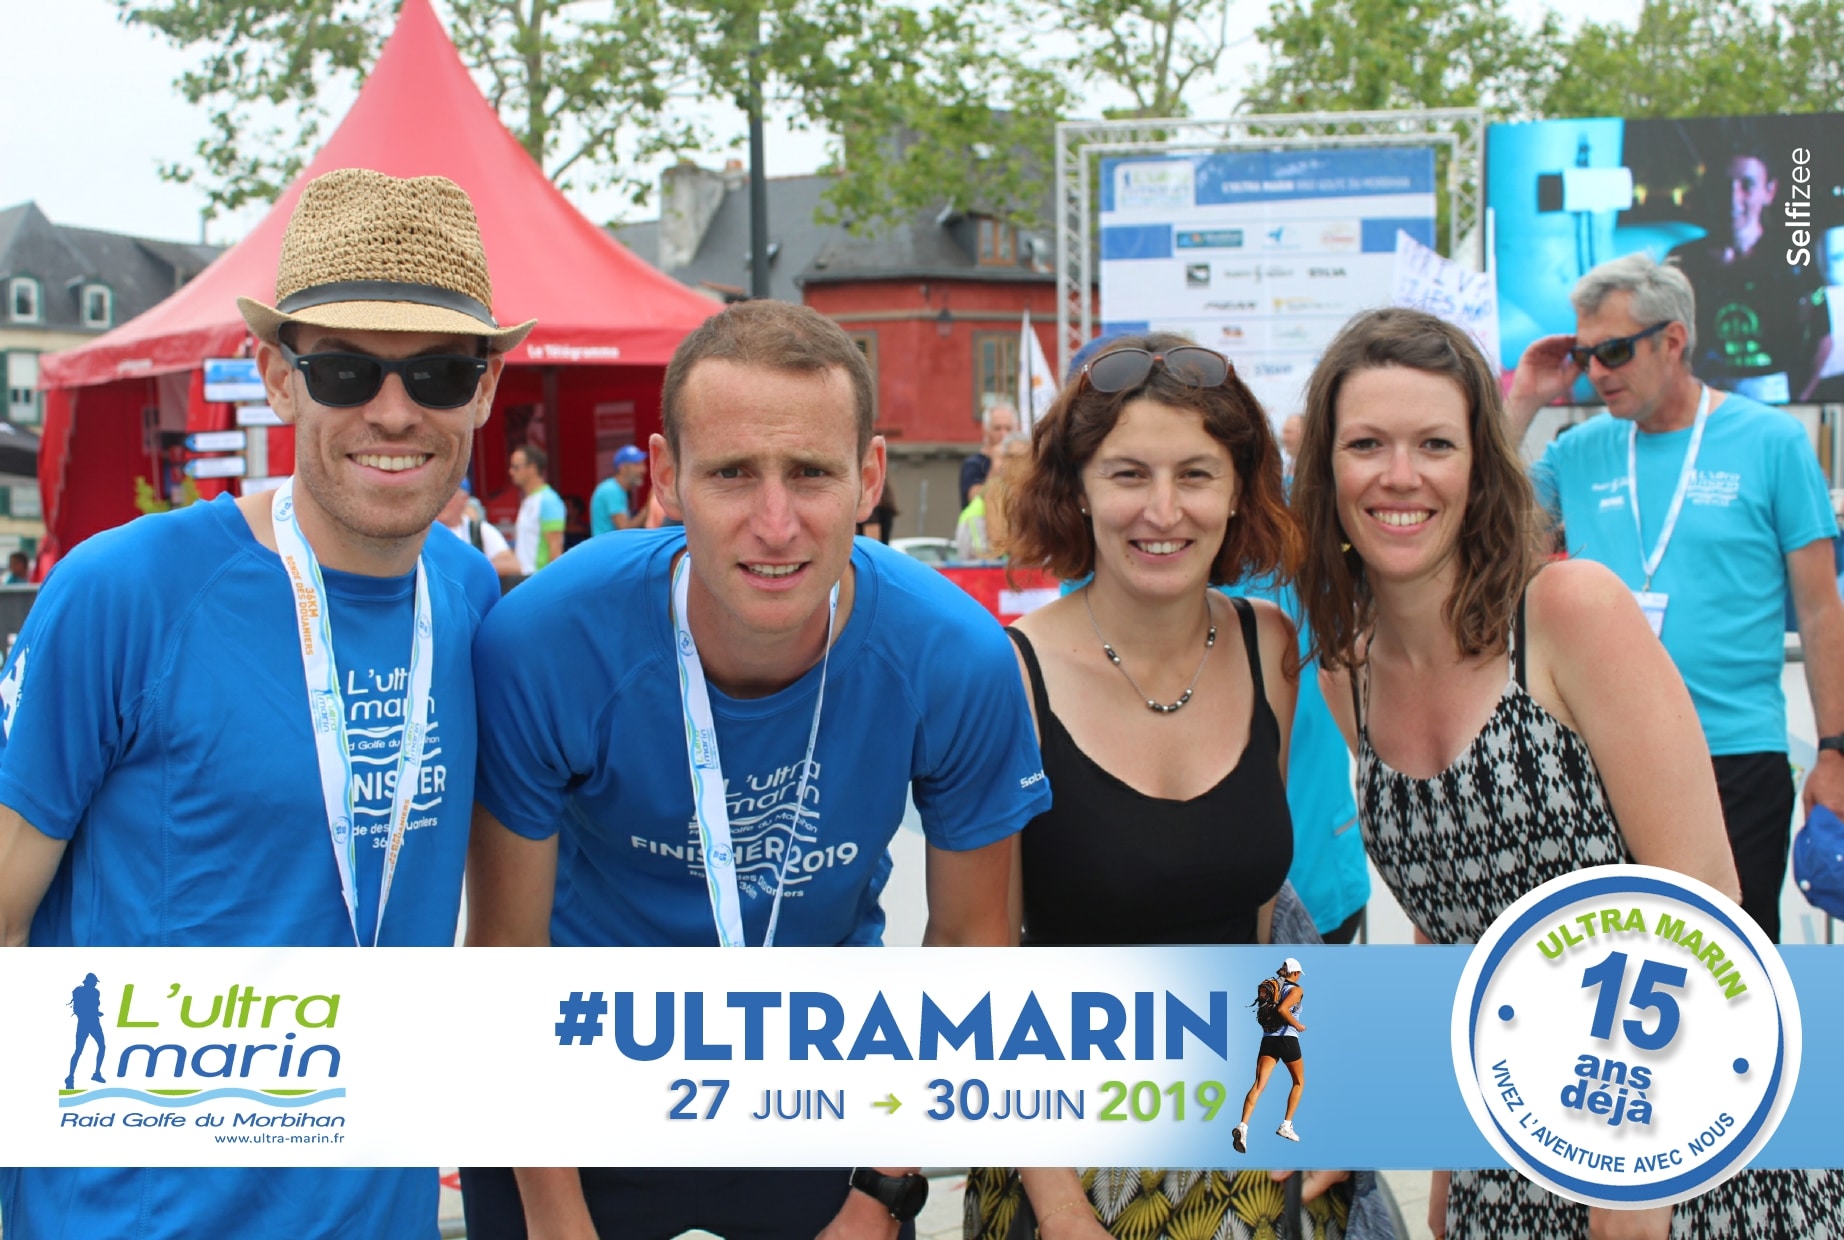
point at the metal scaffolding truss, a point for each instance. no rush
(1460, 131)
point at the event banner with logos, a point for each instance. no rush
(1751, 208)
(1622, 1039)
(1261, 254)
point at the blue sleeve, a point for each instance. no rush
(550, 510)
(980, 777)
(523, 776)
(1543, 477)
(1801, 499)
(73, 688)
(608, 502)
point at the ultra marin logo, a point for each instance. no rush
(188, 1047)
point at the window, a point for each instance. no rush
(98, 305)
(23, 502)
(22, 299)
(995, 370)
(22, 388)
(998, 242)
(867, 345)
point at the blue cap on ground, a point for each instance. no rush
(1087, 352)
(629, 455)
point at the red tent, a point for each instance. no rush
(589, 375)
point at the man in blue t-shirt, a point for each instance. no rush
(612, 506)
(807, 728)
(160, 767)
(1728, 507)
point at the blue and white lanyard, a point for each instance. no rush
(1650, 563)
(709, 808)
(327, 709)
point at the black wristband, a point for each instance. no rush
(902, 1195)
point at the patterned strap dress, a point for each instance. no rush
(1522, 805)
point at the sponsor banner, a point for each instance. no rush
(1224, 246)
(1750, 208)
(899, 1056)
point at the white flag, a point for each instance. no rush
(1036, 381)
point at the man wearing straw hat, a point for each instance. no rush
(162, 778)
(818, 679)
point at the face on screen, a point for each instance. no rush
(1750, 192)
(1831, 253)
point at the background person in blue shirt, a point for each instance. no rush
(612, 506)
(586, 832)
(1755, 516)
(159, 782)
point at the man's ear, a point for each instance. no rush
(489, 383)
(873, 474)
(277, 374)
(663, 467)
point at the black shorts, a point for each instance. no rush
(656, 1204)
(1277, 1046)
(1757, 808)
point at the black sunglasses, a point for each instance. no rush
(1614, 353)
(343, 380)
(1122, 369)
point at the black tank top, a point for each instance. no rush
(1109, 865)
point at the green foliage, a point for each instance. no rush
(1705, 58)
(1153, 51)
(1681, 58)
(1355, 55)
(265, 64)
(595, 91)
(571, 89)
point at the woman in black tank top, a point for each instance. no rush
(1163, 707)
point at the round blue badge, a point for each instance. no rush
(1655, 1043)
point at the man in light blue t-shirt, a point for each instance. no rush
(612, 506)
(159, 760)
(811, 731)
(1731, 508)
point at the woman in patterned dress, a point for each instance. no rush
(1513, 721)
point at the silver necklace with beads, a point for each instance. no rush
(1210, 641)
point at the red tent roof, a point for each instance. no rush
(421, 114)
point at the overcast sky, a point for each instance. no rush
(92, 113)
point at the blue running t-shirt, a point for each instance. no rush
(154, 715)
(577, 675)
(1758, 494)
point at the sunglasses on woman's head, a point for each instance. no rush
(1122, 369)
(344, 380)
(1616, 352)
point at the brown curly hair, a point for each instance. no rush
(1046, 526)
(1500, 546)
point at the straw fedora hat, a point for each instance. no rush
(376, 253)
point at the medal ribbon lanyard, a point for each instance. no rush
(1649, 563)
(327, 709)
(709, 808)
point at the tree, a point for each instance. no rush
(1705, 58)
(572, 90)
(1355, 55)
(595, 90)
(1153, 51)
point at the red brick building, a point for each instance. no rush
(937, 306)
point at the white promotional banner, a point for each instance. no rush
(685, 1057)
(623, 1057)
(1262, 255)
